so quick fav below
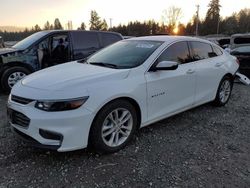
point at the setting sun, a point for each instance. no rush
(176, 30)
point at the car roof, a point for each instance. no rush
(90, 31)
(170, 39)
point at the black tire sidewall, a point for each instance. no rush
(96, 140)
(8, 72)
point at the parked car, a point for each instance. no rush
(243, 55)
(105, 98)
(48, 48)
(1, 42)
(238, 40)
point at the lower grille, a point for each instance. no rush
(18, 118)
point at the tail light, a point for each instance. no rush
(237, 61)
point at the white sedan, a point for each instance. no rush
(101, 101)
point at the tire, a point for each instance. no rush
(11, 76)
(108, 134)
(224, 91)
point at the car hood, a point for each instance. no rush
(7, 50)
(71, 76)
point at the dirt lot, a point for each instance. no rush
(204, 147)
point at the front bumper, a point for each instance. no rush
(63, 131)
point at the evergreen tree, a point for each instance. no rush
(95, 21)
(104, 25)
(82, 27)
(212, 19)
(57, 24)
(47, 26)
(37, 28)
(244, 20)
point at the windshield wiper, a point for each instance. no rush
(110, 65)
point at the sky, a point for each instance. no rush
(27, 13)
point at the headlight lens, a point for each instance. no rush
(60, 105)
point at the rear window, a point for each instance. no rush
(108, 38)
(242, 40)
(202, 50)
(85, 40)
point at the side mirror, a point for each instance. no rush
(165, 65)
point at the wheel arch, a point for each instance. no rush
(230, 76)
(131, 101)
(17, 64)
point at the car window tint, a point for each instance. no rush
(85, 40)
(243, 49)
(177, 52)
(202, 50)
(217, 51)
(108, 38)
(242, 40)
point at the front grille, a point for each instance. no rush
(18, 118)
(21, 100)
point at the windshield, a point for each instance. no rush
(27, 42)
(124, 54)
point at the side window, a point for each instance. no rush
(202, 50)
(217, 51)
(108, 38)
(58, 40)
(85, 40)
(177, 52)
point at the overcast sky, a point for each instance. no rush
(27, 13)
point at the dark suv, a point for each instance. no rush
(47, 48)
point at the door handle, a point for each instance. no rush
(190, 71)
(218, 64)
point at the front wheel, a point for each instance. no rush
(12, 75)
(223, 92)
(113, 126)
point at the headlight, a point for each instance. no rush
(60, 105)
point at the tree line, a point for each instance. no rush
(213, 23)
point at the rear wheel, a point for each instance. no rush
(12, 75)
(223, 92)
(113, 127)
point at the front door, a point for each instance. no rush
(172, 90)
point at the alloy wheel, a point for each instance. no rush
(225, 91)
(117, 127)
(15, 77)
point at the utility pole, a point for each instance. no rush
(218, 25)
(197, 20)
(110, 23)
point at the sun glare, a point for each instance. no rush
(176, 30)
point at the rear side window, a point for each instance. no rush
(108, 38)
(202, 50)
(177, 52)
(85, 40)
(217, 51)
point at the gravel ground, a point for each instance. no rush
(203, 147)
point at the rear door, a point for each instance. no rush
(171, 90)
(84, 44)
(209, 70)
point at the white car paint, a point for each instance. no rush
(159, 94)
